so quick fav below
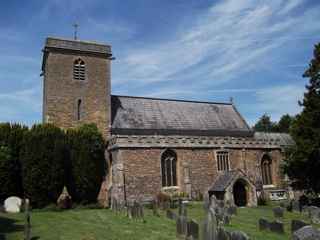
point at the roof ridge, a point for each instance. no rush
(173, 100)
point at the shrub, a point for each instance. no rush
(11, 141)
(44, 156)
(87, 163)
(262, 200)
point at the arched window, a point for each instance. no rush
(169, 168)
(79, 109)
(266, 170)
(223, 161)
(79, 70)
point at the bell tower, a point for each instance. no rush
(76, 86)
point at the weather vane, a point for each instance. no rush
(75, 31)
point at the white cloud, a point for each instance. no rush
(229, 40)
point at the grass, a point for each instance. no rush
(96, 224)
(247, 221)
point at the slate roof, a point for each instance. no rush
(152, 116)
(282, 139)
(224, 181)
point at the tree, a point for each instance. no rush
(284, 124)
(264, 124)
(87, 163)
(302, 162)
(44, 155)
(11, 140)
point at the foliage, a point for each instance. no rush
(11, 140)
(303, 160)
(87, 163)
(264, 124)
(44, 155)
(262, 200)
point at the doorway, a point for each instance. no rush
(240, 193)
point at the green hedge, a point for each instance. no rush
(37, 162)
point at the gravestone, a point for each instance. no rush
(64, 201)
(297, 224)
(27, 223)
(239, 235)
(193, 230)
(263, 224)
(12, 205)
(295, 205)
(232, 210)
(306, 233)
(210, 226)
(278, 212)
(181, 226)
(314, 213)
(171, 215)
(226, 219)
(276, 227)
(223, 234)
(155, 208)
(206, 202)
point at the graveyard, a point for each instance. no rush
(96, 224)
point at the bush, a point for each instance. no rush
(44, 157)
(87, 163)
(11, 141)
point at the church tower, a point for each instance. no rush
(76, 86)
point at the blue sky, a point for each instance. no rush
(252, 50)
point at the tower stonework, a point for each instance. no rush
(76, 83)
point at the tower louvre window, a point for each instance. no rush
(223, 161)
(79, 70)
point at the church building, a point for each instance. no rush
(159, 145)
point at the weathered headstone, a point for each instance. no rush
(210, 226)
(239, 235)
(314, 213)
(276, 227)
(206, 202)
(12, 204)
(226, 219)
(193, 230)
(223, 234)
(155, 208)
(295, 205)
(232, 210)
(297, 224)
(171, 215)
(64, 201)
(306, 233)
(181, 226)
(278, 212)
(263, 224)
(27, 224)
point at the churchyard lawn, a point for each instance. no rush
(101, 224)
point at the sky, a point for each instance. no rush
(253, 51)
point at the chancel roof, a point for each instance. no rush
(151, 116)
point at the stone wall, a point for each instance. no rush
(196, 169)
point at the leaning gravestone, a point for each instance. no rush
(277, 227)
(210, 225)
(278, 212)
(297, 224)
(306, 233)
(12, 205)
(263, 224)
(239, 235)
(192, 230)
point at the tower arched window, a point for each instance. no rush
(79, 109)
(79, 70)
(169, 168)
(266, 170)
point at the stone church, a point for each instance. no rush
(159, 145)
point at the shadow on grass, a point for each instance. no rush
(8, 225)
